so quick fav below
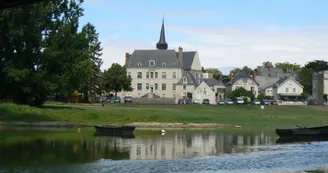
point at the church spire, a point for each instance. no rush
(162, 43)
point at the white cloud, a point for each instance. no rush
(234, 46)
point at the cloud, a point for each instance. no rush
(233, 46)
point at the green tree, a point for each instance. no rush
(115, 79)
(216, 72)
(189, 94)
(247, 70)
(266, 64)
(287, 66)
(241, 92)
(306, 73)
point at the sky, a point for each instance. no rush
(226, 33)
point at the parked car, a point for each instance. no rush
(256, 102)
(274, 102)
(188, 101)
(195, 101)
(127, 99)
(181, 101)
(239, 101)
(229, 102)
(266, 102)
(206, 101)
(117, 99)
(221, 102)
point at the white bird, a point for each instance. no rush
(163, 131)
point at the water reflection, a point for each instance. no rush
(17, 148)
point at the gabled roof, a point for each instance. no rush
(285, 79)
(188, 59)
(265, 81)
(168, 57)
(209, 82)
(240, 75)
(191, 80)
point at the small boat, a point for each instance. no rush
(303, 131)
(108, 129)
(302, 139)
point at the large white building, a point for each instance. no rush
(163, 73)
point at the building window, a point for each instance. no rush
(287, 90)
(164, 64)
(174, 75)
(174, 86)
(163, 86)
(139, 64)
(184, 87)
(152, 63)
(204, 92)
(245, 80)
(147, 86)
(129, 65)
(147, 75)
(151, 74)
(139, 75)
(129, 74)
(163, 95)
(139, 86)
(184, 79)
(174, 64)
(164, 75)
(156, 86)
(294, 90)
(156, 75)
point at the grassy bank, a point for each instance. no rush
(128, 113)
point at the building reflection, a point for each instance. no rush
(178, 146)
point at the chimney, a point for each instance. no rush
(180, 56)
(254, 74)
(230, 75)
(220, 81)
(269, 67)
(127, 55)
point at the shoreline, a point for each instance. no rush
(136, 124)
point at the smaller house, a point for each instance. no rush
(288, 88)
(203, 91)
(265, 84)
(242, 80)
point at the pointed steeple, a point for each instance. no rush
(162, 43)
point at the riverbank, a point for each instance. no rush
(181, 116)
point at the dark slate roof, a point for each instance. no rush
(162, 43)
(280, 81)
(191, 80)
(273, 71)
(265, 81)
(188, 58)
(240, 75)
(159, 56)
(209, 82)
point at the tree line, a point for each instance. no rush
(43, 53)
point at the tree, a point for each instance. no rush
(287, 67)
(216, 73)
(306, 73)
(189, 95)
(241, 92)
(247, 70)
(266, 64)
(116, 80)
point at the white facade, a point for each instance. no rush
(203, 91)
(289, 87)
(248, 83)
(158, 81)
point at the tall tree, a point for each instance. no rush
(247, 70)
(287, 66)
(216, 72)
(266, 64)
(115, 79)
(306, 73)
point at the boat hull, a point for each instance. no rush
(112, 130)
(314, 131)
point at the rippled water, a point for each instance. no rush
(26, 150)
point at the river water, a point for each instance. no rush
(202, 150)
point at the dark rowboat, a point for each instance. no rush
(301, 139)
(107, 129)
(303, 131)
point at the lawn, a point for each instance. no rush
(246, 115)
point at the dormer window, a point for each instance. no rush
(185, 80)
(129, 65)
(152, 63)
(174, 64)
(139, 64)
(164, 64)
